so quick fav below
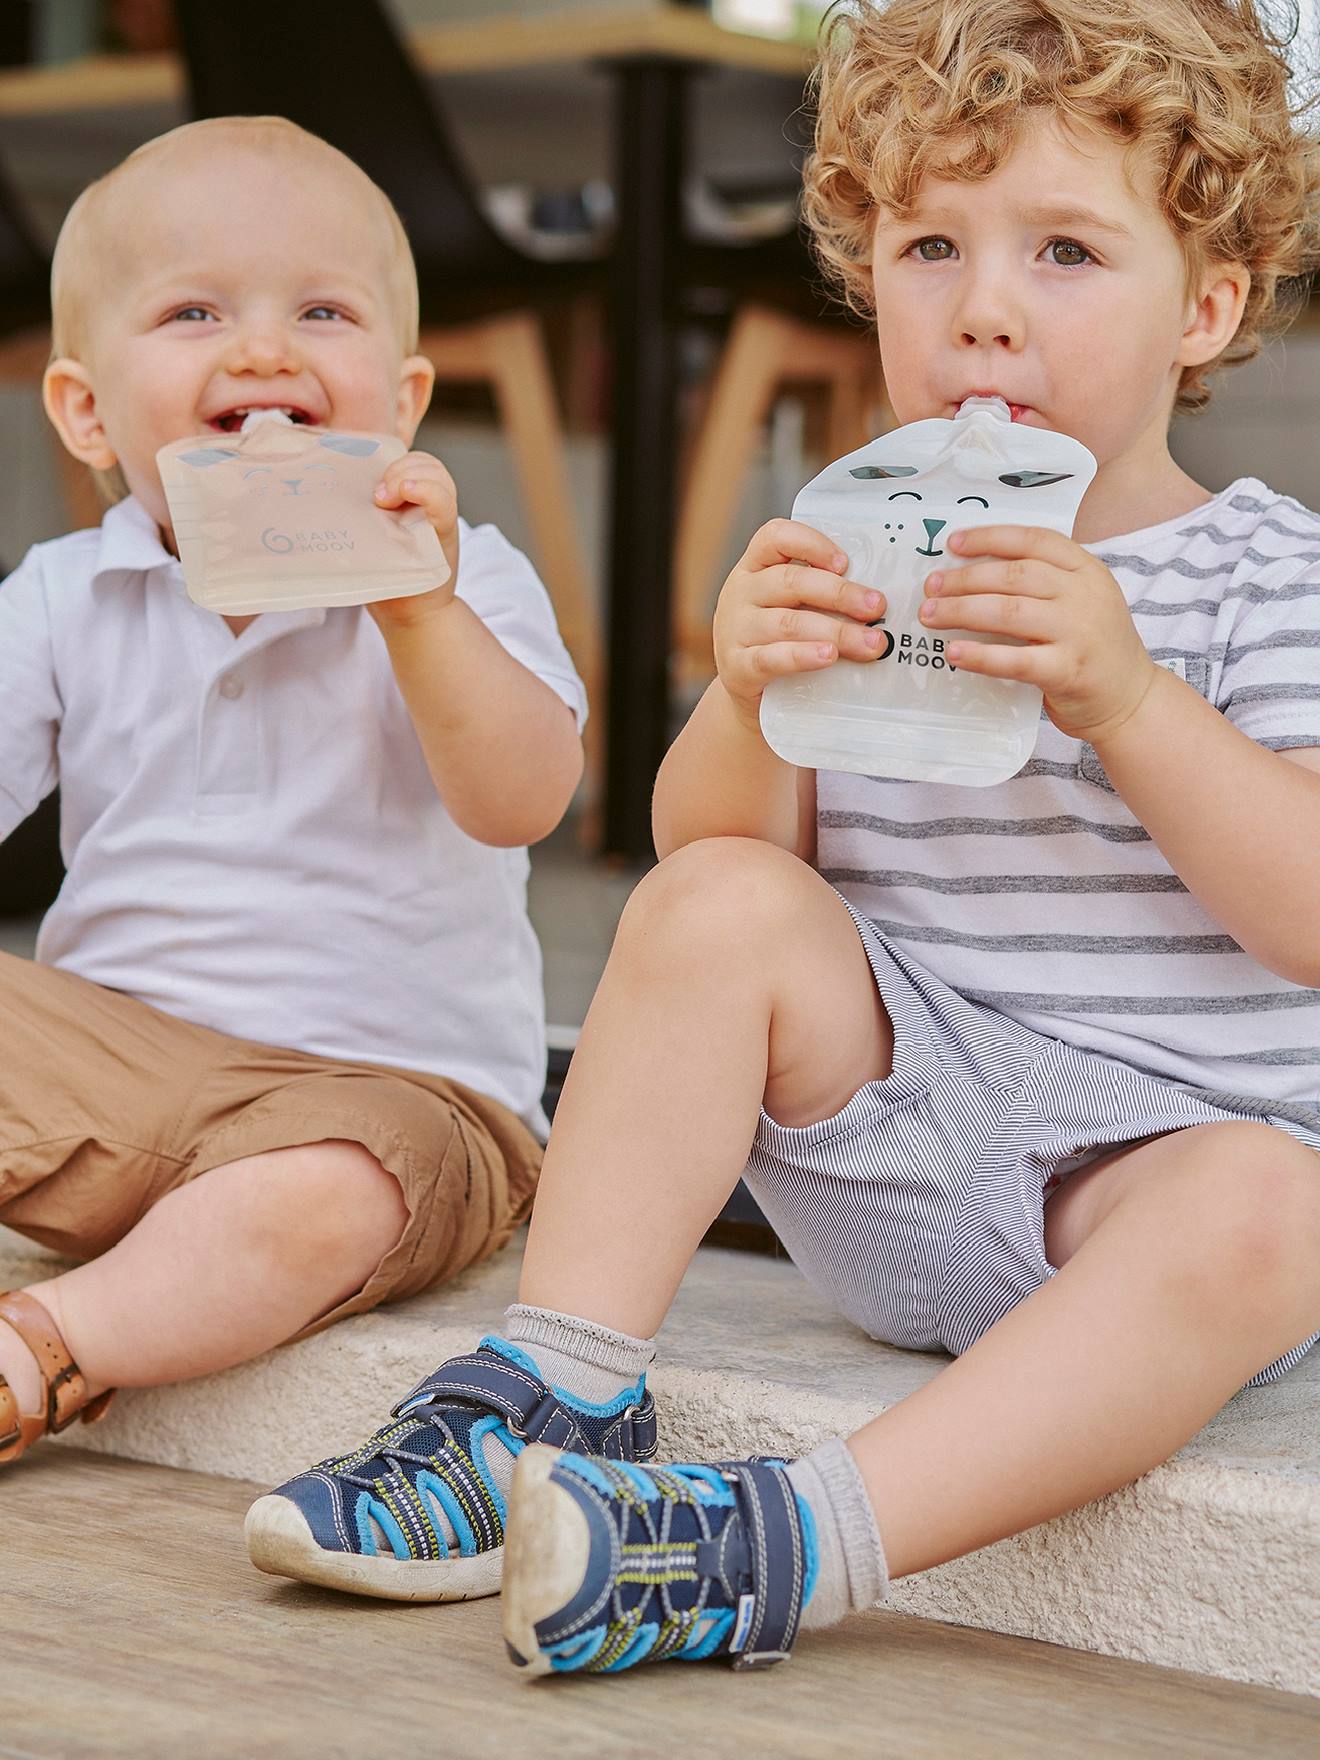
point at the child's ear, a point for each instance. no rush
(1214, 316)
(70, 400)
(416, 382)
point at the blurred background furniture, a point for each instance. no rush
(768, 353)
(25, 343)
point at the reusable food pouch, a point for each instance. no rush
(280, 517)
(910, 713)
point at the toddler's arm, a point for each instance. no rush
(1237, 823)
(502, 748)
(785, 608)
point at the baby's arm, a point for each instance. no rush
(785, 608)
(29, 697)
(502, 748)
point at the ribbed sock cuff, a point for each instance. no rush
(591, 1362)
(853, 1574)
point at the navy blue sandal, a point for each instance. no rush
(610, 1564)
(367, 1522)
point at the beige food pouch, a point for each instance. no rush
(282, 517)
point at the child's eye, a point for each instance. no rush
(1079, 253)
(191, 313)
(925, 252)
(323, 312)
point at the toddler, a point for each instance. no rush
(1029, 1073)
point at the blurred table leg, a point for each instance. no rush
(649, 149)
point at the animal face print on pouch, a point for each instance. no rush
(283, 517)
(889, 506)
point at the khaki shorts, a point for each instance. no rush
(106, 1104)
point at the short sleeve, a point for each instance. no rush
(505, 591)
(29, 698)
(1270, 680)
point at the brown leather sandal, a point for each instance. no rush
(63, 1386)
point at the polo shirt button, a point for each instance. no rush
(231, 687)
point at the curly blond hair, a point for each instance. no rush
(1200, 87)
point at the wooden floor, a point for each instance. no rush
(133, 1625)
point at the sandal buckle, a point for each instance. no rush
(54, 1423)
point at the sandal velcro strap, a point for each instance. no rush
(533, 1412)
(776, 1564)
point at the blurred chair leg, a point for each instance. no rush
(845, 412)
(749, 369)
(765, 352)
(508, 353)
(23, 361)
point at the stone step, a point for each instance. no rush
(1210, 1563)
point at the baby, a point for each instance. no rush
(280, 1055)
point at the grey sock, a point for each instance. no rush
(589, 1362)
(853, 1574)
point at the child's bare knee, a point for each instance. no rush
(323, 1202)
(1257, 1198)
(718, 888)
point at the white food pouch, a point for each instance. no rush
(910, 714)
(282, 517)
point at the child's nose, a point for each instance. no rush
(263, 348)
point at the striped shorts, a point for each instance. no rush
(918, 1210)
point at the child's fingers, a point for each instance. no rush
(1014, 574)
(419, 479)
(853, 640)
(788, 540)
(1005, 614)
(1036, 542)
(777, 659)
(795, 583)
(425, 492)
(1028, 665)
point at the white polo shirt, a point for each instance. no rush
(253, 841)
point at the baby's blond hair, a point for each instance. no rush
(942, 87)
(73, 265)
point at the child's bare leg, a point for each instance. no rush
(1193, 1261)
(221, 1269)
(737, 973)
(1189, 1263)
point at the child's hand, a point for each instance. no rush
(1082, 649)
(787, 607)
(418, 480)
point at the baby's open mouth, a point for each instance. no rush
(231, 420)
